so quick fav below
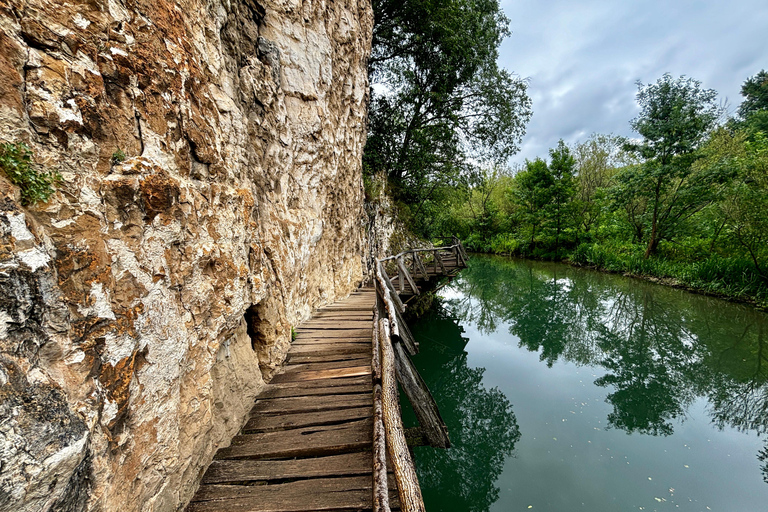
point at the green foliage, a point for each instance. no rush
(35, 185)
(118, 156)
(441, 103)
(597, 160)
(559, 211)
(727, 276)
(755, 92)
(675, 116)
(293, 334)
(745, 207)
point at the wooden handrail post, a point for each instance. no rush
(380, 483)
(422, 269)
(405, 472)
(389, 288)
(404, 272)
(440, 261)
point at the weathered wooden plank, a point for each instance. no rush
(276, 392)
(297, 404)
(405, 472)
(320, 357)
(228, 471)
(312, 495)
(359, 308)
(327, 365)
(344, 315)
(259, 424)
(330, 348)
(336, 324)
(314, 339)
(323, 383)
(355, 371)
(301, 442)
(332, 333)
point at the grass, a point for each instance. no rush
(731, 277)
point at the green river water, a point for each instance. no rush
(568, 390)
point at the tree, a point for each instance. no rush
(675, 116)
(482, 207)
(746, 202)
(755, 92)
(440, 103)
(533, 191)
(560, 210)
(597, 160)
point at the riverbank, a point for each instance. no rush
(731, 279)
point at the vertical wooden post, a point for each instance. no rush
(417, 262)
(404, 271)
(440, 261)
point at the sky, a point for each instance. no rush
(582, 58)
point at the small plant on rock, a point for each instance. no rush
(118, 156)
(36, 185)
(293, 334)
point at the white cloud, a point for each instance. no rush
(583, 58)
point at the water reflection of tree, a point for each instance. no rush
(649, 355)
(480, 421)
(661, 348)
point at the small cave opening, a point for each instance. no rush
(255, 326)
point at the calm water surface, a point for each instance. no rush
(567, 390)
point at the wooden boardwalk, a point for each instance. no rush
(307, 446)
(309, 443)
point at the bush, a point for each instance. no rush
(733, 277)
(35, 185)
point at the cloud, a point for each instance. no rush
(584, 58)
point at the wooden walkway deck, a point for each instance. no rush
(307, 446)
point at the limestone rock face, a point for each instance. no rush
(143, 306)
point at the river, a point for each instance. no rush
(566, 389)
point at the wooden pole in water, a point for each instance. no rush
(405, 472)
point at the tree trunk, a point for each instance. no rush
(653, 241)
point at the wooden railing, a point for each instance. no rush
(415, 262)
(393, 344)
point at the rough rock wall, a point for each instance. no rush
(144, 304)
